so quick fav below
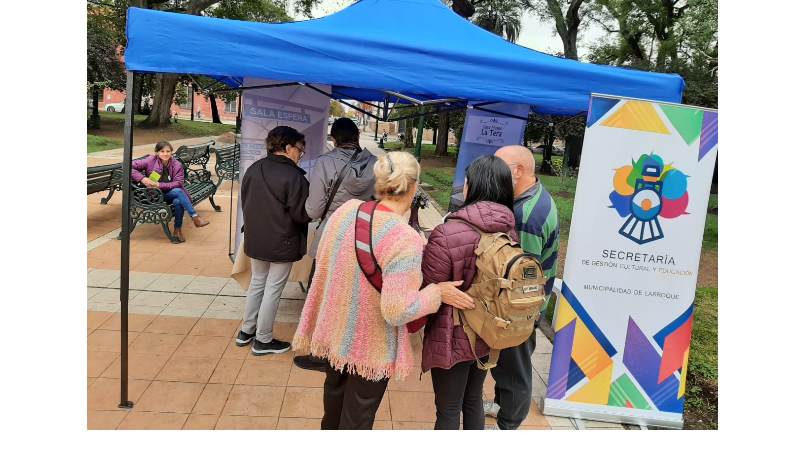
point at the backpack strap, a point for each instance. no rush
(363, 241)
(494, 354)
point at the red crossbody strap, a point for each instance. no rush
(363, 242)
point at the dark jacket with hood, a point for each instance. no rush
(275, 220)
(358, 183)
(450, 256)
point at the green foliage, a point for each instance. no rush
(501, 17)
(103, 66)
(195, 128)
(441, 179)
(337, 110)
(98, 143)
(703, 352)
(250, 11)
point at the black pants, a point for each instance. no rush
(456, 390)
(350, 401)
(513, 386)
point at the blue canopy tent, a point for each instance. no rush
(433, 57)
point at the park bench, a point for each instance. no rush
(148, 205)
(227, 163)
(194, 155)
(101, 178)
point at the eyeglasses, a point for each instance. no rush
(302, 150)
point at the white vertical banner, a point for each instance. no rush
(624, 317)
(298, 107)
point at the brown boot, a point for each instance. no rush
(179, 234)
(199, 221)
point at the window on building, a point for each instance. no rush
(230, 107)
(188, 103)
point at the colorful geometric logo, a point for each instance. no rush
(645, 191)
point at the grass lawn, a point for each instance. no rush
(185, 127)
(97, 143)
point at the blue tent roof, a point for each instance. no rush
(415, 47)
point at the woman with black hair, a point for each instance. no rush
(450, 256)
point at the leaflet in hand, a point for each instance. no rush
(155, 176)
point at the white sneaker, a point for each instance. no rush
(491, 409)
(491, 427)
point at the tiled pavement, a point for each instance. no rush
(185, 371)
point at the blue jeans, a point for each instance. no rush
(182, 203)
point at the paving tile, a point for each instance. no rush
(233, 289)
(109, 295)
(412, 425)
(288, 318)
(384, 410)
(188, 369)
(96, 318)
(216, 327)
(213, 399)
(101, 278)
(226, 371)
(104, 393)
(206, 285)
(306, 378)
(232, 351)
(89, 381)
(246, 423)
(412, 382)
(98, 362)
(539, 388)
(296, 423)
(227, 303)
(303, 402)
(284, 330)
(530, 427)
(563, 428)
(107, 340)
(136, 322)
(543, 345)
(137, 280)
(222, 314)
(182, 312)
(171, 325)
(140, 366)
(90, 291)
(597, 425)
(168, 396)
(192, 301)
(382, 425)
(139, 420)
(201, 422)
(156, 343)
(412, 406)
(150, 298)
(293, 291)
(171, 282)
(541, 361)
(254, 401)
(104, 420)
(203, 347)
(286, 356)
(150, 310)
(290, 307)
(105, 307)
(555, 421)
(535, 417)
(264, 373)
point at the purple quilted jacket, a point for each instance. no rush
(153, 164)
(450, 256)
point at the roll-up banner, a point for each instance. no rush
(264, 109)
(623, 319)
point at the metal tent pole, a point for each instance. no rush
(420, 129)
(125, 257)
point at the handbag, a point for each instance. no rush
(367, 261)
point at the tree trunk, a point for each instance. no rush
(214, 111)
(162, 100)
(435, 134)
(409, 136)
(444, 127)
(94, 120)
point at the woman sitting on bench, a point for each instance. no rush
(166, 173)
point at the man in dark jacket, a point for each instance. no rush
(536, 220)
(358, 182)
(274, 192)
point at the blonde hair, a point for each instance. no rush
(396, 176)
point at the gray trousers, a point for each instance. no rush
(263, 297)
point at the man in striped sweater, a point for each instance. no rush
(537, 224)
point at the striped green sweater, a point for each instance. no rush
(537, 224)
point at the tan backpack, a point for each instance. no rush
(508, 291)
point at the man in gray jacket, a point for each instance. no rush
(358, 182)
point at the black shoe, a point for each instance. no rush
(274, 346)
(244, 338)
(309, 362)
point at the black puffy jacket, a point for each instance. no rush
(275, 220)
